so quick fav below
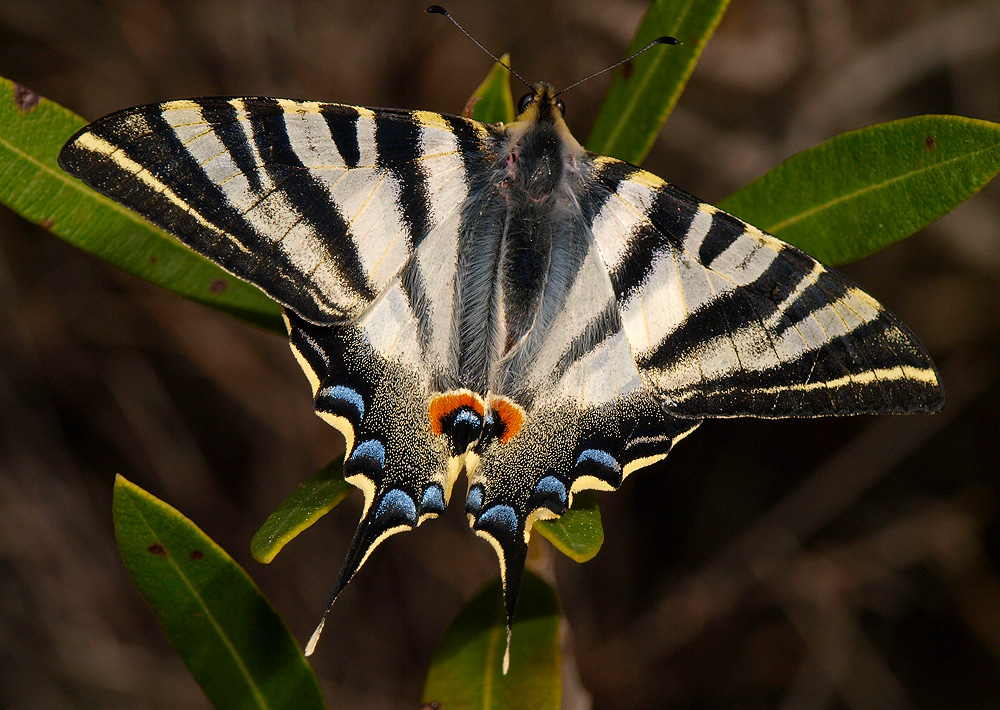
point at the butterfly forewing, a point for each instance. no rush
(320, 205)
(726, 320)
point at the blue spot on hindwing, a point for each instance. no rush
(552, 486)
(474, 501)
(340, 393)
(467, 416)
(397, 504)
(499, 515)
(601, 458)
(433, 500)
(464, 426)
(370, 449)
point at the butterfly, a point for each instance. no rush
(497, 300)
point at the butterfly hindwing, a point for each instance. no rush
(563, 447)
(320, 205)
(379, 403)
(726, 320)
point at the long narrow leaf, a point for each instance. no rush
(467, 669)
(32, 130)
(320, 494)
(492, 101)
(863, 190)
(226, 632)
(645, 90)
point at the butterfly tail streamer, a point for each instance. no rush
(503, 528)
(390, 512)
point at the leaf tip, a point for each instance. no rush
(122, 485)
(264, 551)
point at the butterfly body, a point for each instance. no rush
(498, 300)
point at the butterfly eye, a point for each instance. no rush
(561, 106)
(524, 102)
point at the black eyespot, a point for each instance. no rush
(561, 106)
(524, 102)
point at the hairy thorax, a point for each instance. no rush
(543, 239)
(523, 237)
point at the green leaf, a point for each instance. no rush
(466, 672)
(32, 131)
(645, 90)
(308, 503)
(492, 101)
(863, 190)
(226, 632)
(578, 533)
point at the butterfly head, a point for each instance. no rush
(543, 101)
(542, 109)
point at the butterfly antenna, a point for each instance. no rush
(658, 40)
(438, 10)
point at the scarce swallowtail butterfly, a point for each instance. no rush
(495, 299)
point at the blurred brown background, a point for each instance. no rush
(843, 563)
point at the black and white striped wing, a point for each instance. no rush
(350, 218)
(320, 205)
(726, 320)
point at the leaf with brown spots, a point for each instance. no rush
(861, 191)
(226, 632)
(32, 131)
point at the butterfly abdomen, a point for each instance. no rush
(545, 241)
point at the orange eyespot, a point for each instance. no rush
(511, 417)
(442, 405)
